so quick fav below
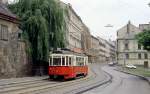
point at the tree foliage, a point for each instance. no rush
(144, 39)
(43, 24)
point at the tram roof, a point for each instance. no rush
(67, 52)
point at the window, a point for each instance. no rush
(80, 61)
(70, 61)
(127, 56)
(139, 47)
(50, 61)
(139, 56)
(57, 60)
(63, 60)
(126, 46)
(19, 35)
(3, 32)
(67, 60)
(146, 56)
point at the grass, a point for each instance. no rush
(139, 71)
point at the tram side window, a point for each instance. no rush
(77, 61)
(63, 60)
(69, 60)
(67, 63)
(56, 61)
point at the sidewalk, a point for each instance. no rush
(20, 80)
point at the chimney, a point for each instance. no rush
(128, 26)
(4, 1)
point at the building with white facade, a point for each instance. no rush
(110, 49)
(128, 49)
(74, 29)
(102, 49)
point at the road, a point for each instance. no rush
(122, 84)
(94, 83)
(47, 86)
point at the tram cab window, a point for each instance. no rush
(80, 61)
(57, 60)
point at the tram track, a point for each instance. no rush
(25, 84)
(90, 86)
(93, 85)
(37, 87)
(84, 88)
(51, 88)
(59, 87)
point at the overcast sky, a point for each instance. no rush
(96, 14)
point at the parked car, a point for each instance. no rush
(115, 62)
(130, 66)
(111, 63)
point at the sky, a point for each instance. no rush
(97, 14)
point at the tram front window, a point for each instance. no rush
(56, 61)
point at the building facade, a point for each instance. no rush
(110, 51)
(13, 58)
(128, 49)
(94, 58)
(102, 49)
(74, 30)
(79, 39)
(86, 40)
(107, 50)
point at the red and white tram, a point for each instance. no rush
(67, 65)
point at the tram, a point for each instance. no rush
(67, 65)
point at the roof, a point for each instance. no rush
(67, 51)
(6, 14)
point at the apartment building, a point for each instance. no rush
(128, 49)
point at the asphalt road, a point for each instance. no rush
(122, 84)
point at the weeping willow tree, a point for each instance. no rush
(43, 22)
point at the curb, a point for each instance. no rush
(142, 77)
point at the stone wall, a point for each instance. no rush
(13, 59)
